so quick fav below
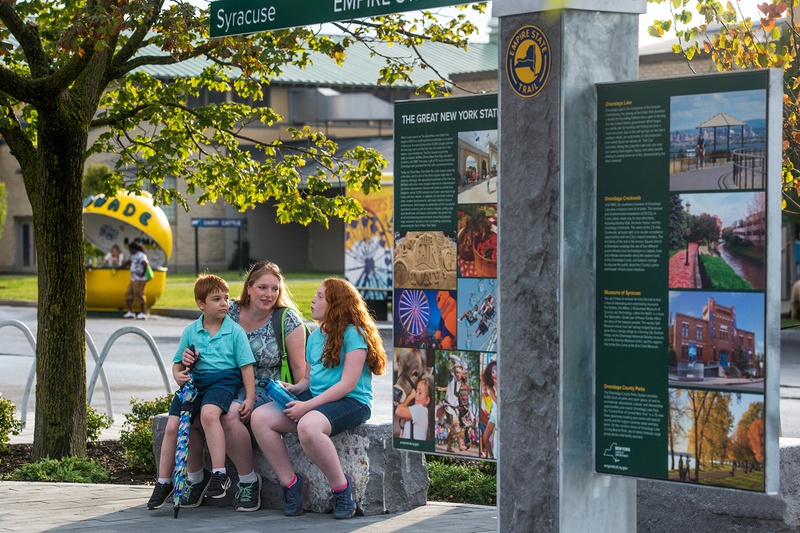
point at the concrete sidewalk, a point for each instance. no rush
(38, 507)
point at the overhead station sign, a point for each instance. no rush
(237, 17)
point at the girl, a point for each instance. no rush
(334, 395)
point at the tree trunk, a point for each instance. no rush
(60, 428)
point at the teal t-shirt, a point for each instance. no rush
(228, 349)
(321, 378)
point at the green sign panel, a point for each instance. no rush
(236, 17)
(687, 187)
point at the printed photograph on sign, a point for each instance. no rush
(477, 241)
(368, 244)
(718, 141)
(425, 260)
(477, 167)
(716, 340)
(413, 393)
(457, 403)
(425, 319)
(477, 314)
(716, 438)
(717, 241)
(487, 417)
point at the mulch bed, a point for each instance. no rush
(108, 452)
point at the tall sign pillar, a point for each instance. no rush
(550, 61)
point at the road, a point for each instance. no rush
(131, 369)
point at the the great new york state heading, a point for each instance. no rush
(236, 17)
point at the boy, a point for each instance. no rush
(224, 362)
(416, 415)
(135, 290)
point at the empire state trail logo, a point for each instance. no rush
(528, 61)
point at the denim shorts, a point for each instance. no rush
(342, 414)
(261, 397)
(221, 397)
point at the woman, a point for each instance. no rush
(334, 395)
(263, 293)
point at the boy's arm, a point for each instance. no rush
(180, 373)
(249, 380)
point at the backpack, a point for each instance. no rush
(278, 322)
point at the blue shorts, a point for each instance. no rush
(342, 414)
(221, 397)
(261, 397)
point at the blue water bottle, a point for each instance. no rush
(279, 394)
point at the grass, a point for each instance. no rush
(178, 289)
(462, 481)
(722, 275)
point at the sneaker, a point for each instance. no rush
(343, 504)
(129, 314)
(161, 493)
(249, 495)
(293, 497)
(193, 493)
(219, 485)
(141, 316)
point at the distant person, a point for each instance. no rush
(114, 258)
(135, 290)
(224, 363)
(700, 151)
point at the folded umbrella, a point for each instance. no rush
(187, 393)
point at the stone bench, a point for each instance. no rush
(385, 480)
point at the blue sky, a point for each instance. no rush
(728, 206)
(749, 308)
(688, 111)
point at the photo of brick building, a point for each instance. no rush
(712, 338)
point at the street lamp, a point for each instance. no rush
(688, 205)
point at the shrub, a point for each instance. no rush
(9, 424)
(66, 470)
(95, 423)
(136, 435)
(462, 481)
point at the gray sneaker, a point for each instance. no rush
(219, 485)
(293, 497)
(249, 495)
(344, 506)
(161, 493)
(193, 493)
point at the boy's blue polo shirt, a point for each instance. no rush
(226, 350)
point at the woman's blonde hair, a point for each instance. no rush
(256, 271)
(345, 307)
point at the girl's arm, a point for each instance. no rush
(353, 365)
(402, 410)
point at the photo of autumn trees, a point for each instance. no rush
(716, 438)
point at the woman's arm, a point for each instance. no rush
(296, 352)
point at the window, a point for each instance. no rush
(699, 333)
(684, 329)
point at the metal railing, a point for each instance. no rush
(98, 360)
(749, 168)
